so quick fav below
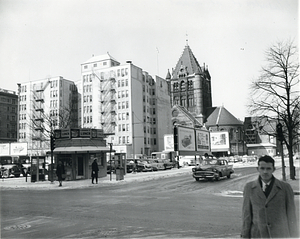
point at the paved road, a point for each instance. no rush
(177, 207)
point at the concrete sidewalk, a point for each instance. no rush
(20, 183)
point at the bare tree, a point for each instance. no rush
(276, 93)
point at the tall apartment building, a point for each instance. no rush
(127, 103)
(45, 105)
(8, 116)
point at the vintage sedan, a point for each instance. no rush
(213, 169)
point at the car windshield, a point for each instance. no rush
(210, 162)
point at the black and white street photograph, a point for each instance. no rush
(149, 119)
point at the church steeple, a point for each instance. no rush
(186, 62)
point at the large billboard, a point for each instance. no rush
(18, 149)
(186, 139)
(202, 140)
(13, 149)
(219, 141)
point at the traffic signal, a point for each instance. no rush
(280, 136)
(52, 142)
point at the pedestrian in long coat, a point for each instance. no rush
(95, 170)
(60, 170)
(270, 213)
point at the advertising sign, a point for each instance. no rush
(202, 140)
(169, 142)
(186, 139)
(4, 149)
(219, 141)
(18, 149)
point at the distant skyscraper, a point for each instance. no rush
(8, 116)
(190, 85)
(127, 103)
(46, 104)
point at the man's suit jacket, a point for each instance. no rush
(274, 216)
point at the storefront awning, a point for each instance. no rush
(83, 149)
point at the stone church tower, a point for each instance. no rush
(190, 85)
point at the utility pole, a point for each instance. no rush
(110, 150)
(280, 137)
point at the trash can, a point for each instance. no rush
(119, 174)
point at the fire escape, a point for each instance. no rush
(39, 112)
(108, 105)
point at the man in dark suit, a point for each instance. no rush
(268, 207)
(95, 170)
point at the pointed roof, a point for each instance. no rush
(184, 116)
(222, 117)
(187, 61)
(103, 57)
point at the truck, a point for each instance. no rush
(213, 169)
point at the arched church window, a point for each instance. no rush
(190, 85)
(190, 100)
(182, 86)
(175, 86)
(183, 101)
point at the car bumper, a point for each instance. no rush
(210, 175)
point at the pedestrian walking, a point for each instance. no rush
(60, 170)
(268, 207)
(95, 170)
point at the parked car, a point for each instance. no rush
(10, 170)
(144, 166)
(213, 169)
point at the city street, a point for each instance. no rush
(171, 207)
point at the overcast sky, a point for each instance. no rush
(46, 38)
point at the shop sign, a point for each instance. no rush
(4, 149)
(18, 149)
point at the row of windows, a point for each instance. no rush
(182, 86)
(124, 140)
(8, 100)
(23, 107)
(22, 116)
(87, 119)
(150, 91)
(13, 118)
(22, 126)
(88, 98)
(54, 93)
(53, 103)
(87, 78)
(149, 120)
(108, 74)
(123, 94)
(12, 109)
(152, 141)
(151, 101)
(53, 113)
(149, 110)
(149, 130)
(24, 88)
(123, 105)
(123, 116)
(87, 88)
(23, 98)
(182, 100)
(87, 109)
(22, 135)
(123, 127)
(123, 82)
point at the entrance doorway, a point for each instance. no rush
(80, 166)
